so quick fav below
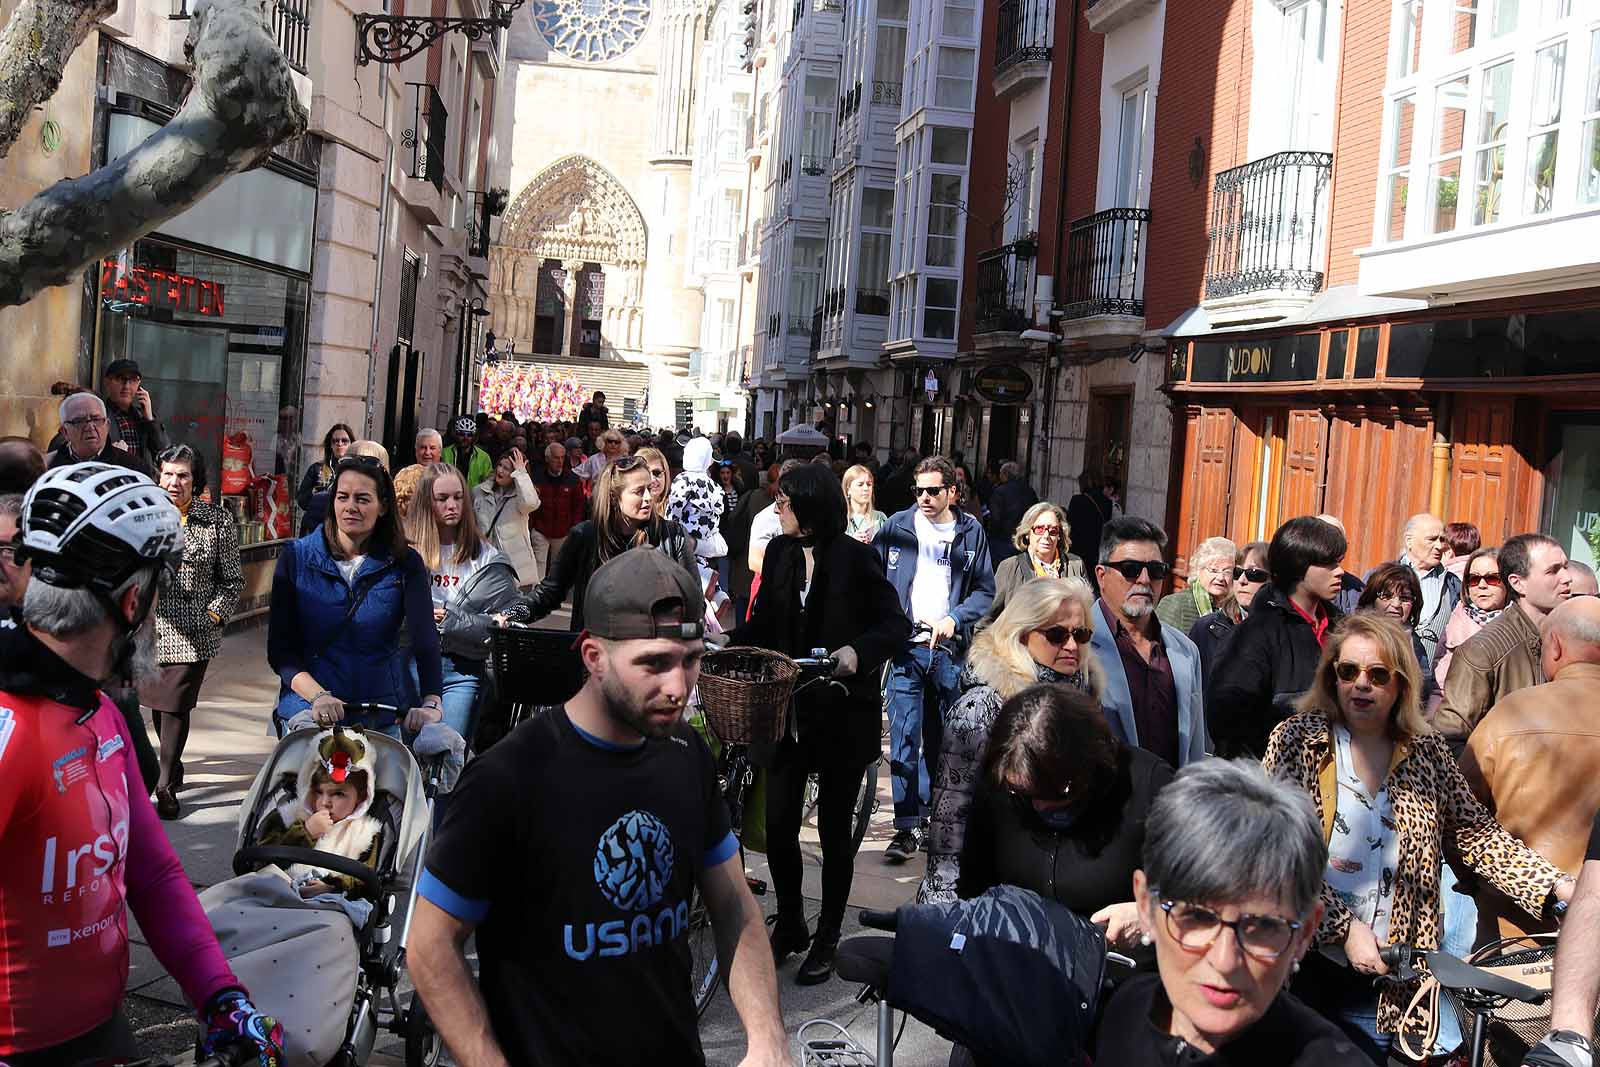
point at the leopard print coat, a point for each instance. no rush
(1431, 799)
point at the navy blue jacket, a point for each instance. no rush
(971, 569)
(359, 659)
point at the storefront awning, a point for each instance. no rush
(1340, 304)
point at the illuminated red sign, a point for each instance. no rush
(157, 288)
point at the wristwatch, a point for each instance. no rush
(1570, 1037)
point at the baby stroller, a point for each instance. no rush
(334, 985)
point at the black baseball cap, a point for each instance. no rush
(122, 368)
(641, 595)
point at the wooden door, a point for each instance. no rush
(1208, 439)
(1489, 475)
(1304, 457)
(1378, 474)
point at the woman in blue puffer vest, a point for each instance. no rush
(340, 597)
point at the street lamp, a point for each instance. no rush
(465, 361)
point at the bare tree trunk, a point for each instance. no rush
(241, 104)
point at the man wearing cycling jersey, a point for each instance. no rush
(573, 849)
(81, 840)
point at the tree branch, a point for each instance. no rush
(39, 38)
(241, 104)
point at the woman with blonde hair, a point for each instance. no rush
(626, 514)
(660, 469)
(1042, 636)
(1389, 794)
(863, 517)
(1042, 539)
(470, 581)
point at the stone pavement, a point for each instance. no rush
(231, 739)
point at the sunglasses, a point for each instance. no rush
(1255, 574)
(1378, 674)
(1483, 579)
(929, 490)
(626, 463)
(1047, 531)
(1196, 929)
(359, 463)
(1130, 569)
(1057, 635)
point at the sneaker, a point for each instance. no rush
(905, 844)
(820, 961)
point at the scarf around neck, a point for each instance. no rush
(1481, 616)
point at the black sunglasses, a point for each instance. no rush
(1130, 569)
(359, 463)
(930, 490)
(627, 463)
(1255, 574)
(1057, 635)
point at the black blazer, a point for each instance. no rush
(851, 603)
(579, 558)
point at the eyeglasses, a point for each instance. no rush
(1378, 674)
(1057, 635)
(657, 472)
(1196, 929)
(1254, 574)
(85, 420)
(626, 463)
(1048, 530)
(1130, 569)
(929, 490)
(1483, 579)
(1397, 596)
(359, 463)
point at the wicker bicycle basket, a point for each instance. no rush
(745, 693)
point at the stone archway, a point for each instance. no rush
(576, 212)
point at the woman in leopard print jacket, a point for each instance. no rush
(1389, 794)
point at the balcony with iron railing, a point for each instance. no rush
(291, 26)
(1002, 291)
(425, 140)
(1268, 233)
(886, 94)
(1021, 45)
(1102, 296)
(815, 166)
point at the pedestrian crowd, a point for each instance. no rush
(1318, 763)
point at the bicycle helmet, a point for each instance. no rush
(93, 526)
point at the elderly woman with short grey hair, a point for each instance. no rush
(1042, 539)
(1210, 585)
(1229, 926)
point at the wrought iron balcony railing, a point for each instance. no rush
(291, 25)
(814, 166)
(886, 93)
(1105, 260)
(1022, 33)
(426, 137)
(1268, 222)
(1003, 287)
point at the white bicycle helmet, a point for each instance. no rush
(93, 525)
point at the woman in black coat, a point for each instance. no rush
(1273, 655)
(821, 588)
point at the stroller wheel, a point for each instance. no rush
(424, 1047)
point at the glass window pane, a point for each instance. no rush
(953, 85)
(1487, 185)
(877, 208)
(893, 9)
(1549, 83)
(1463, 25)
(958, 18)
(1449, 135)
(1496, 103)
(1549, 80)
(1408, 39)
(1506, 14)
(1404, 123)
(949, 145)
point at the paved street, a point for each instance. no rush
(229, 742)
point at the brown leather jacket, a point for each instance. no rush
(1534, 761)
(1500, 659)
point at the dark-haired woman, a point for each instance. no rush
(1272, 657)
(627, 514)
(1394, 590)
(335, 443)
(190, 614)
(340, 596)
(1060, 808)
(821, 588)
(1212, 632)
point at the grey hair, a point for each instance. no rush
(552, 446)
(1411, 526)
(1212, 548)
(61, 412)
(61, 612)
(11, 504)
(1010, 469)
(427, 432)
(1195, 829)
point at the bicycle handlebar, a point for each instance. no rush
(1457, 975)
(291, 854)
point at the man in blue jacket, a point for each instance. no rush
(937, 558)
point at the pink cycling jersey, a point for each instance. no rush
(78, 843)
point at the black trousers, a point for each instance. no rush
(839, 782)
(111, 1040)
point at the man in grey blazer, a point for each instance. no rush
(1153, 692)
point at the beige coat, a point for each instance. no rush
(503, 521)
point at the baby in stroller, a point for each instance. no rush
(329, 811)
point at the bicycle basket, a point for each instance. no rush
(1514, 1027)
(745, 693)
(540, 667)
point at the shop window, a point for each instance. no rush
(1575, 519)
(1367, 353)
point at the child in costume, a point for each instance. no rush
(329, 811)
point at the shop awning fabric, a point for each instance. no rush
(1339, 304)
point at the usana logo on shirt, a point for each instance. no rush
(633, 866)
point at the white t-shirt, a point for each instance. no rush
(930, 586)
(348, 568)
(765, 526)
(450, 576)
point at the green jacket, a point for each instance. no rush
(479, 469)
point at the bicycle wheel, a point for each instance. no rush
(866, 805)
(704, 972)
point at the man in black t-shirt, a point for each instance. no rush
(573, 847)
(1577, 978)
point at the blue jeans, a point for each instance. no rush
(1459, 928)
(922, 683)
(463, 678)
